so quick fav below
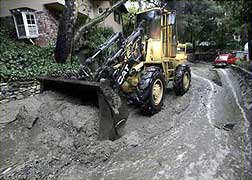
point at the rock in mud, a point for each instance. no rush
(28, 115)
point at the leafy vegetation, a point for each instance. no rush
(21, 62)
(210, 24)
(244, 64)
(129, 21)
(239, 16)
(93, 38)
(200, 20)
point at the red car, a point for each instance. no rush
(224, 60)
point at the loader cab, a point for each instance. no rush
(151, 23)
(160, 33)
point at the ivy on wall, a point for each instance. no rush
(20, 61)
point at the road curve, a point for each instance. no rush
(201, 135)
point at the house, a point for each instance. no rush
(38, 19)
(246, 51)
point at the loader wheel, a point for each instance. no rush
(151, 90)
(182, 79)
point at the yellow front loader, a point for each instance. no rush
(135, 69)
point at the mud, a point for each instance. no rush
(42, 135)
(200, 135)
(216, 77)
(113, 112)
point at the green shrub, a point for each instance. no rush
(244, 64)
(93, 38)
(21, 62)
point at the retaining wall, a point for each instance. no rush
(207, 57)
(18, 90)
(245, 81)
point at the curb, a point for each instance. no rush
(247, 78)
(242, 69)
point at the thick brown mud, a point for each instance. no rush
(42, 135)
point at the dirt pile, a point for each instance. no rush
(41, 136)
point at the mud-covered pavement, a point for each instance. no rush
(201, 135)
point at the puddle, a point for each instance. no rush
(228, 127)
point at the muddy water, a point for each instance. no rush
(201, 135)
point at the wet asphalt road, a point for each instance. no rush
(201, 135)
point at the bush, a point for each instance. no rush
(244, 64)
(129, 21)
(22, 62)
(93, 38)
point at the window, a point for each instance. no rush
(26, 25)
(151, 23)
(31, 23)
(117, 17)
(223, 57)
(171, 19)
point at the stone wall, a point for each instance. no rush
(18, 90)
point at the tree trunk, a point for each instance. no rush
(67, 23)
(192, 41)
(97, 20)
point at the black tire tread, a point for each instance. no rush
(144, 89)
(178, 79)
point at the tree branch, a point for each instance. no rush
(97, 20)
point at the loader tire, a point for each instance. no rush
(182, 79)
(151, 90)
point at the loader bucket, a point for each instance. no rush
(113, 111)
